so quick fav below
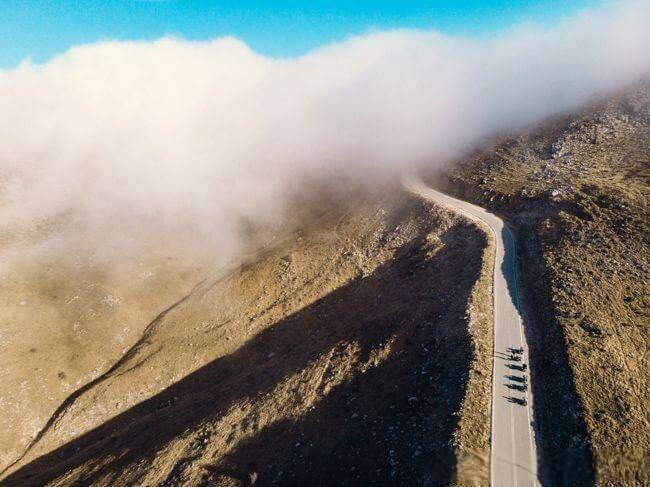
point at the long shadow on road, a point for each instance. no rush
(392, 424)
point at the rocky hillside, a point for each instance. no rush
(347, 351)
(576, 190)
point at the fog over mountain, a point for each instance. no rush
(202, 135)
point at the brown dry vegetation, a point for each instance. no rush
(576, 190)
(66, 318)
(347, 352)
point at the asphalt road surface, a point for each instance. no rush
(513, 459)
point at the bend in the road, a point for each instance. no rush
(513, 455)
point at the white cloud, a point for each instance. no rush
(207, 133)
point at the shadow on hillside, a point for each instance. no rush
(508, 267)
(564, 451)
(564, 447)
(393, 424)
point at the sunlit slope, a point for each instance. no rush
(68, 314)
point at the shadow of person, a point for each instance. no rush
(516, 400)
(520, 368)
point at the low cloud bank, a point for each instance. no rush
(203, 135)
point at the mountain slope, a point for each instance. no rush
(576, 189)
(345, 352)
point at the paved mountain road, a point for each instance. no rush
(513, 459)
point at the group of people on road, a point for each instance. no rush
(516, 355)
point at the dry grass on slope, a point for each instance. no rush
(66, 317)
(577, 190)
(343, 353)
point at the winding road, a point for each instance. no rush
(513, 459)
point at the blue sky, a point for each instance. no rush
(41, 29)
